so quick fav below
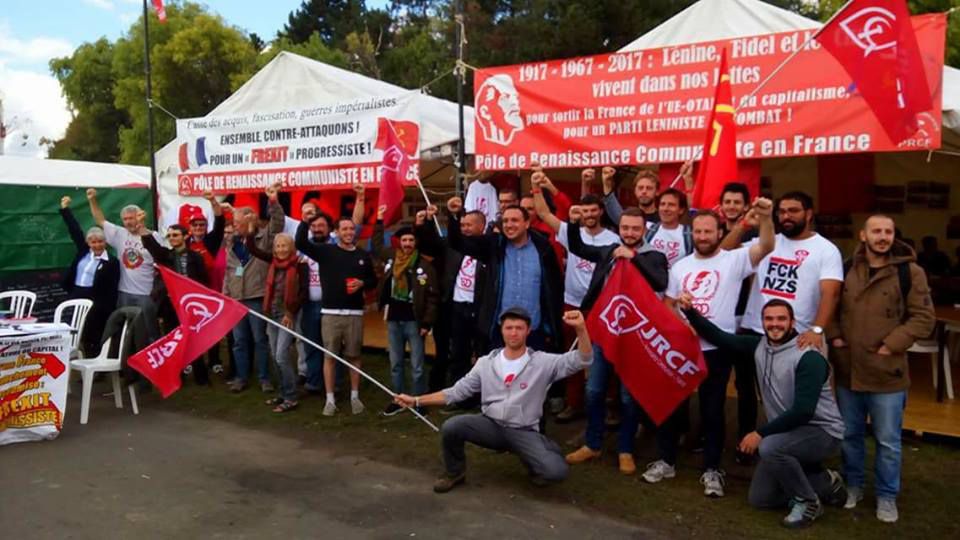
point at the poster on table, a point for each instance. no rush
(311, 148)
(651, 106)
(34, 369)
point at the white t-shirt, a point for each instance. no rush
(670, 243)
(576, 280)
(714, 284)
(793, 272)
(483, 197)
(136, 263)
(316, 291)
(466, 283)
(509, 369)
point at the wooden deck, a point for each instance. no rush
(923, 413)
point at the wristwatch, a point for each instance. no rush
(817, 330)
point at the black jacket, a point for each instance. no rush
(491, 249)
(164, 257)
(448, 261)
(107, 277)
(651, 263)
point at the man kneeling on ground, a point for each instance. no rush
(803, 428)
(512, 383)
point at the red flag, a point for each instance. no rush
(719, 163)
(874, 42)
(397, 140)
(205, 317)
(161, 12)
(656, 356)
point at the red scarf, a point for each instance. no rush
(291, 285)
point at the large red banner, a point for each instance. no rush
(652, 106)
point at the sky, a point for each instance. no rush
(32, 32)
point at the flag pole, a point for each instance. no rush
(791, 57)
(338, 359)
(154, 195)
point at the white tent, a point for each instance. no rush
(27, 171)
(290, 80)
(711, 20)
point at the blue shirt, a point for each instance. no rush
(87, 268)
(521, 281)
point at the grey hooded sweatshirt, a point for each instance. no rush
(518, 405)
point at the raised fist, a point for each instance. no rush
(762, 207)
(64, 202)
(359, 188)
(91, 193)
(432, 211)
(588, 175)
(208, 195)
(574, 318)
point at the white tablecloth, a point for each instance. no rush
(34, 368)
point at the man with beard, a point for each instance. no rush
(804, 269)
(578, 271)
(733, 210)
(646, 185)
(803, 428)
(311, 314)
(884, 308)
(712, 277)
(653, 265)
(345, 272)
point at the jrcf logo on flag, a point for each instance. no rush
(872, 29)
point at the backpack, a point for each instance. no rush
(903, 277)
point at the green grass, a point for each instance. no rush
(677, 507)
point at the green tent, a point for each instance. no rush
(34, 245)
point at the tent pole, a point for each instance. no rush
(461, 72)
(154, 195)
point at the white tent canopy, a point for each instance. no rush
(27, 171)
(711, 20)
(291, 81)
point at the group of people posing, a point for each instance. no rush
(504, 294)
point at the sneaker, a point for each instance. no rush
(356, 406)
(854, 495)
(569, 414)
(237, 386)
(582, 455)
(659, 470)
(713, 483)
(887, 510)
(392, 409)
(627, 465)
(447, 482)
(838, 496)
(329, 409)
(266, 387)
(217, 368)
(188, 370)
(802, 514)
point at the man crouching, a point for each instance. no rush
(512, 383)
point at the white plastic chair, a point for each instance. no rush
(931, 347)
(21, 302)
(102, 363)
(81, 308)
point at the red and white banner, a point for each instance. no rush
(651, 106)
(34, 366)
(320, 147)
(656, 355)
(205, 317)
(876, 45)
(161, 11)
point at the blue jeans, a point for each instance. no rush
(310, 316)
(251, 331)
(886, 418)
(600, 372)
(280, 343)
(399, 333)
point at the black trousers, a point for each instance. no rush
(745, 371)
(713, 398)
(437, 380)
